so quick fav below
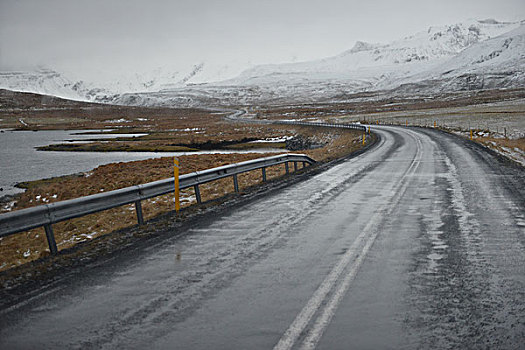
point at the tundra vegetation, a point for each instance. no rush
(496, 117)
(165, 128)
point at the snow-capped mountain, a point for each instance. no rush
(68, 85)
(44, 81)
(494, 63)
(469, 55)
(373, 64)
(475, 55)
(100, 86)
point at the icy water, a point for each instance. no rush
(20, 161)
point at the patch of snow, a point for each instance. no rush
(516, 155)
(121, 120)
(9, 206)
(186, 199)
(187, 129)
(274, 139)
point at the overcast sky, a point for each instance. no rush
(112, 34)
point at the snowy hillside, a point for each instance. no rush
(469, 55)
(371, 64)
(101, 86)
(495, 63)
(44, 81)
(453, 58)
(73, 86)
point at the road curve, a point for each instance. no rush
(417, 243)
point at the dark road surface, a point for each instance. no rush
(417, 243)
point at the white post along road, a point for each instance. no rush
(417, 243)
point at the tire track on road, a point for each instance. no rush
(330, 293)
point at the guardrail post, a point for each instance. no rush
(176, 183)
(295, 166)
(11, 223)
(197, 193)
(235, 183)
(138, 208)
(51, 239)
(286, 167)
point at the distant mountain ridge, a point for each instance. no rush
(469, 55)
(476, 55)
(494, 63)
(47, 81)
(378, 61)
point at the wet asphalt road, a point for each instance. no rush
(418, 243)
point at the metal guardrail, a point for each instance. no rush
(46, 215)
(237, 114)
(328, 125)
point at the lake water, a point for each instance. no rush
(20, 161)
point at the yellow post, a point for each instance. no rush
(471, 134)
(364, 136)
(176, 179)
(368, 130)
(406, 122)
(435, 123)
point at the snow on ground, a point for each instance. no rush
(515, 153)
(121, 120)
(498, 121)
(501, 119)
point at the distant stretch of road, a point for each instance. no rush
(417, 243)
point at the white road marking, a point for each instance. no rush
(323, 321)
(313, 305)
(303, 318)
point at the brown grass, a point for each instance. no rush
(500, 142)
(216, 135)
(373, 104)
(24, 247)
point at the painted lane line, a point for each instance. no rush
(302, 320)
(322, 322)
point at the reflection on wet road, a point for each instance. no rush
(418, 243)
